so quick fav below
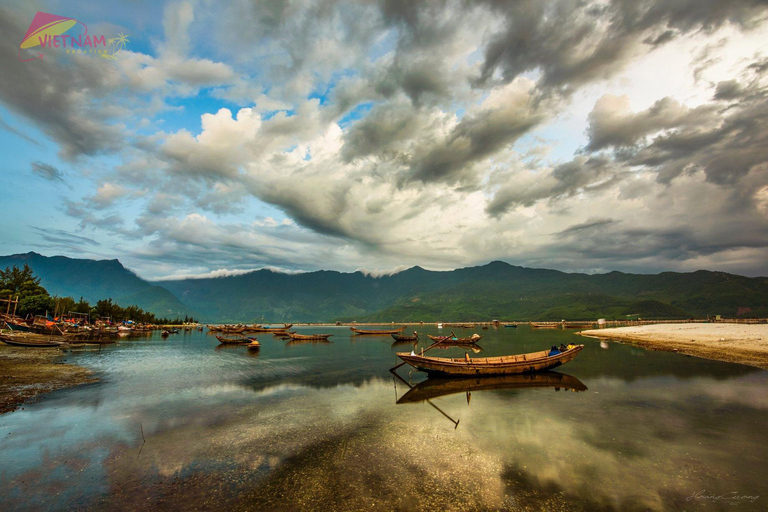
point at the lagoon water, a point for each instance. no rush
(185, 424)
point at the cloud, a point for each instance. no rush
(47, 171)
(59, 98)
(574, 43)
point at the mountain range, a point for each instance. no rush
(496, 290)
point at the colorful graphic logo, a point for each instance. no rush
(50, 31)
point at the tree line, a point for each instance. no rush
(34, 299)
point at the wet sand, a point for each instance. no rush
(28, 372)
(735, 343)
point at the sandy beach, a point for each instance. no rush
(736, 343)
(28, 372)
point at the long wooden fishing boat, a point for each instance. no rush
(224, 340)
(455, 340)
(401, 337)
(501, 365)
(377, 331)
(545, 325)
(435, 387)
(296, 336)
(30, 343)
(259, 328)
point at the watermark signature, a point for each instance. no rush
(732, 498)
(51, 31)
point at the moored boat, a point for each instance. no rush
(456, 340)
(259, 328)
(501, 365)
(377, 331)
(224, 340)
(32, 343)
(545, 325)
(17, 326)
(401, 337)
(296, 336)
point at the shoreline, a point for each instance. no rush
(733, 343)
(26, 373)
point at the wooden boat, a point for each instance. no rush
(456, 340)
(377, 331)
(435, 387)
(400, 337)
(295, 336)
(502, 365)
(17, 326)
(545, 325)
(32, 343)
(510, 326)
(254, 344)
(233, 341)
(258, 328)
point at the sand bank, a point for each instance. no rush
(736, 343)
(28, 372)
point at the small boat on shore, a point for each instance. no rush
(456, 340)
(510, 326)
(378, 332)
(17, 326)
(501, 365)
(295, 336)
(32, 343)
(400, 337)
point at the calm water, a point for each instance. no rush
(318, 426)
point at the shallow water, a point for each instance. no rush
(185, 424)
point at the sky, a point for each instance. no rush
(584, 136)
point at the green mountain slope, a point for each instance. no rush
(98, 279)
(495, 290)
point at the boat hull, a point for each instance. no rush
(505, 365)
(458, 341)
(378, 332)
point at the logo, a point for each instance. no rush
(50, 31)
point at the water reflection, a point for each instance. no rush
(435, 387)
(317, 426)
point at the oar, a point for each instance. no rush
(422, 352)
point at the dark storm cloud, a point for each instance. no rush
(574, 42)
(55, 96)
(47, 171)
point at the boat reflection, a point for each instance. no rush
(292, 343)
(435, 387)
(400, 343)
(446, 345)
